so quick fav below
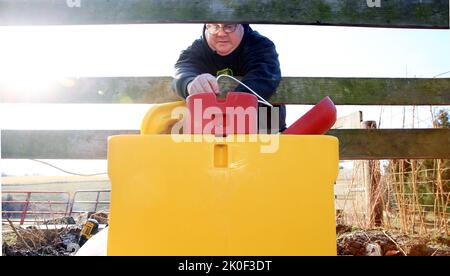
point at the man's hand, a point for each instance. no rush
(204, 83)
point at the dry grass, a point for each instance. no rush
(68, 184)
(37, 241)
(393, 198)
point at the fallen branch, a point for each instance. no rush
(435, 251)
(18, 234)
(398, 246)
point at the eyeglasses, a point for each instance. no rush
(214, 28)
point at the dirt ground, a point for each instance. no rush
(350, 242)
(378, 242)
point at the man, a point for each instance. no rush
(233, 49)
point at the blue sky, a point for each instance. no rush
(32, 57)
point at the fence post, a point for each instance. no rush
(375, 207)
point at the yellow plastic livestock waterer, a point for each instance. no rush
(202, 195)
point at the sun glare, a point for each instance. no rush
(30, 85)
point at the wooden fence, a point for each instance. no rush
(354, 143)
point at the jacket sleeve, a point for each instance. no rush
(187, 68)
(262, 69)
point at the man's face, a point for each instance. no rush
(224, 38)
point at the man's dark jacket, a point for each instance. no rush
(255, 59)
